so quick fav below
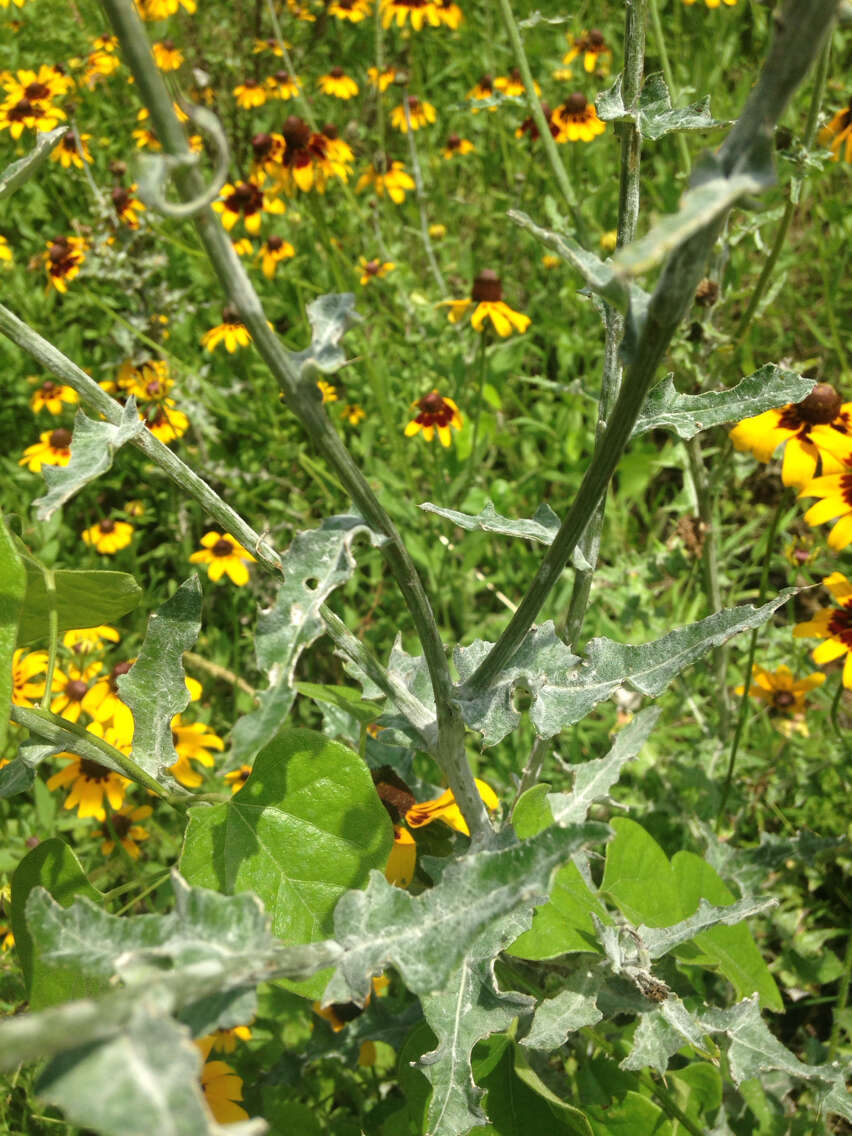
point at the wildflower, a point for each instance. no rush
(436, 413)
(482, 89)
(90, 783)
(327, 390)
(393, 181)
(417, 11)
(402, 859)
(81, 640)
(162, 9)
(578, 119)
(487, 295)
(52, 448)
(223, 555)
(26, 665)
(412, 114)
(232, 332)
(339, 152)
(24, 113)
(609, 240)
(591, 46)
(63, 259)
(149, 380)
(381, 79)
(247, 202)
(134, 508)
(437, 232)
(283, 85)
(102, 703)
(810, 428)
(225, 1040)
(513, 85)
(5, 251)
(352, 10)
(250, 94)
(352, 413)
(530, 126)
(784, 696)
(548, 260)
(713, 3)
(126, 205)
(445, 808)
(271, 45)
(838, 131)
(72, 685)
(455, 146)
(167, 56)
(69, 154)
(338, 84)
(53, 397)
(109, 536)
(222, 1088)
(800, 552)
(193, 742)
(124, 823)
(835, 491)
(448, 12)
(242, 246)
(5, 930)
(238, 777)
(306, 163)
(374, 269)
(834, 624)
(272, 253)
(166, 422)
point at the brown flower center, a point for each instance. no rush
(230, 314)
(249, 84)
(595, 38)
(121, 198)
(37, 91)
(60, 439)
(821, 406)
(76, 689)
(93, 770)
(274, 243)
(222, 547)
(107, 525)
(23, 108)
(372, 267)
(282, 77)
(121, 824)
(296, 133)
(336, 72)
(49, 388)
(245, 199)
(487, 287)
(576, 103)
(782, 699)
(261, 144)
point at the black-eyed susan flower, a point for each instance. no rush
(392, 180)
(714, 3)
(413, 114)
(165, 421)
(53, 397)
(167, 56)
(306, 163)
(835, 491)
(481, 90)
(52, 448)
(127, 207)
(328, 391)
(246, 202)
(812, 429)
(837, 133)
(108, 536)
(529, 126)
(26, 666)
(487, 302)
(448, 13)
(512, 85)
(577, 119)
(445, 808)
(194, 742)
(69, 154)
(72, 685)
(352, 413)
(272, 252)
(338, 151)
(90, 783)
(374, 269)
(103, 704)
(283, 85)
(784, 695)
(161, 9)
(238, 777)
(455, 146)
(834, 625)
(225, 1040)
(402, 859)
(435, 414)
(232, 333)
(84, 640)
(242, 246)
(250, 94)
(352, 10)
(5, 251)
(590, 46)
(270, 46)
(223, 556)
(63, 259)
(148, 381)
(222, 1089)
(418, 12)
(124, 823)
(338, 84)
(381, 79)
(18, 114)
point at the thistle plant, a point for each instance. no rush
(544, 937)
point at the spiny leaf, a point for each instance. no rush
(330, 318)
(155, 686)
(543, 527)
(688, 414)
(571, 1010)
(656, 117)
(93, 446)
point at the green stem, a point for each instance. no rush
(659, 36)
(842, 1002)
(53, 627)
(420, 194)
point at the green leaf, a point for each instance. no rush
(13, 584)
(155, 686)
(22, 170)
(542, 528)
(330, 318)
(655, 117)
(342, 697)
(571, 1010)
(564, 924)
(314, 565)
(93, 446)
(532, 815)
(83, 599)
(53, 866)
(631, 1115)
(515, 1109)
(688, 414)
(306, 826)
(639, 878)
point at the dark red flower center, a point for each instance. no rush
(121, 824)
(434, 411)
(246, 199)
(249, 84)
(37, 91)
(296, 133)
(117, 671)
(413, 103)
(60, 439)
(821, 406)
(49, 389)
(840, 626)
(372, 267)
(282, 77)
(453, 142)
(22, 109)
(261, 144)
(486, 84)
(411, 3)
(76, 689)
(121, 198)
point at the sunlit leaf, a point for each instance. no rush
(556, 1018)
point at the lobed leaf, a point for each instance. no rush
(330, 318)
(571, 1010)
(655, 117)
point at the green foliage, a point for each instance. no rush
(13, 583)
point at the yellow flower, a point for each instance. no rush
(127, 207)
(448, 12)
(437, 232)
(838, 131)
(436, 414)
(577, 120)
(124, 824)
(834, 624)
(374, 269)
(513, 85)
(103, 704)
(162, 9)
(609, 240)
(167, 56)
(272, 252)
(283, 85)
(418, 11)
(242, 246)
(25, 666)
(327, 390)
(352, 413)
(784, 696)
(250, 94)
(445, 808)
(63, 259)
(109, 536)
(487, 296)
(713, 3)
(222, 1088)
(224, 1040)
(193, 742)
(233, 333)
(90, 782)
(591, 45)
(455, 146)
(5, 251)
(246, 201)
(412, 113)
(67, 153)
(352, 10)
(53, 397)
(301, 159)
(482, 89)
(271, 45)
(29, 114)
(812, 430)
(82, 640)
(381, 79)
(52, 448)
(223, 555)
(72, 685)
(394, 181)
(238, 777)
(550, 261)
(166, 422)
(338, 84)
(402, 860)
(149, 381)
